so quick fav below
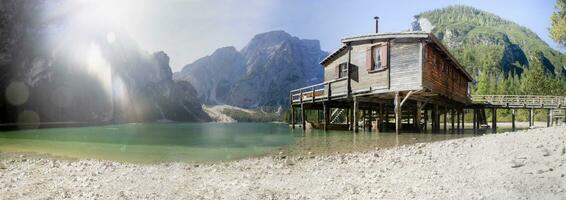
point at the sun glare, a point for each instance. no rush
(98, 67)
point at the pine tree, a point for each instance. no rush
(503, 86)
(534, 81)
(483, 83)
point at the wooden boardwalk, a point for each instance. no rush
(520, 101)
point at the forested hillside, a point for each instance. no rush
(504, 57)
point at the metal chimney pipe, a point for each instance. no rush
(376, 24)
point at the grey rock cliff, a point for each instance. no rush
(261, 74)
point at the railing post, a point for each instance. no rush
(303, 111)
(329, 93)
(312, 91)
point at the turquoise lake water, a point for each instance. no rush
(164, 142)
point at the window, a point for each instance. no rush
(376, 51)
(343, 70)
(376, 57)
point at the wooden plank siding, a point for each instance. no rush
(405, 65)
(361, 78)
(441, 76)
(339, 87)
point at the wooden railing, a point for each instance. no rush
(531, 101)
(313, 92)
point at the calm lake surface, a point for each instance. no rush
(164, 142)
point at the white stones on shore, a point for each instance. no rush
(489, 167)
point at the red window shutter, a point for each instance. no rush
(384, 56)
(337, 71)
(369, 61)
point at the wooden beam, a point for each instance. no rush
(531, 117)
(293, 116)
(356, 114)
(452, 120)
(303, 116)
(326, 116)
(458, 121)
(418, 116)
(463, 121)
(425, 119)
(381, 121)
(404, 99)
(370, 120)
(548, 118)
(513, 119)
(445, 119)
(397, 103)
(474, 120)
(494, 119)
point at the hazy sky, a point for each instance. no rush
(190, 29)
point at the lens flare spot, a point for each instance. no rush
(110, 37)
(17, 93)
(28, 120)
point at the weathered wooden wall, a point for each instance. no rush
(361, 78)
(406, 66)
(442, 76)
(330, 74)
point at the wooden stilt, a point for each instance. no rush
(438, 123)
(458, 120)
(293, 117)
(452, 120)
(351, 119)
(418, 116)
(356, 114)
(380, 120)
(445, 119)
(493, 120)
(463, 121)
(370, 119)
(303, 116)
(474, 120)
(531, 116)
(435, 126)
(425, 120)
(386, 118)
(326, 115)
(513, 119)
(397, 102)
(548, 118)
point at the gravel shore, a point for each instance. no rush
(527, 164)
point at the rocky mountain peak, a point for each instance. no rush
(261, 74)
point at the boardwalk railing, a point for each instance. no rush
(313, 93)
(530, 101)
